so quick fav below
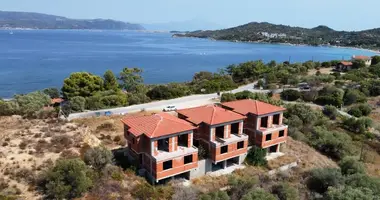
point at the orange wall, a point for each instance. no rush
(177, 167)
(275, 139)
(216, 156)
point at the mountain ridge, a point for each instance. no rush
(32, 20)
(277, 33)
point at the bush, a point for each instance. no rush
(359, 125)
(355, 111)
(361, 180)
(52, 92)
(256, 156)
(352, 96)
(98, 158)
(349, 193)
(285, 192)
(290, 95)
(350, 166)
(330, 111)
(29, 104)
(330, 95)
(185, 193)
(321, 179)
(146, 191)
(226, 97)
(240, 185)
(77, 104)
(68, 179)
(258, 194)
(217, 195)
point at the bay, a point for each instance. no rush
(36, 59)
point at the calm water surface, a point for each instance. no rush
(36, 59)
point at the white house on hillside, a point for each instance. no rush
(367, 60)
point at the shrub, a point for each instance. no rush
(352, 96)
(258, 194)
(185, 193)
(226, 97)
(362, 180)
(77, 104)
(240, 185)
(355, 111)
(112, 172)
(290, 95)
(330, 111)
(68, 179)
(256, 156)
(330, 95)
(217, 195)
(285, 192)
(146, 191)
(321, 179)
(52, 92)
(310, 95)
(98, 158)
(359, 125)
(30, 103)
(350, 165)
(350, 193)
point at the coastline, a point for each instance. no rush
(287, 44)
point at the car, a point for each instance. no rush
(169, 108)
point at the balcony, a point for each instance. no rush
(274, 127)
(165, 155)
(233, 139)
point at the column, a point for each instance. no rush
(190, 140)
(280, 121)
(225, 164)
(241, 127)
(278, 148)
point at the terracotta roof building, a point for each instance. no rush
(367, 60)
(263, 123)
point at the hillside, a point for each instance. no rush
(43, 21)
(272, 33)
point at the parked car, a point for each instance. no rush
(169, 108)
(304, 86)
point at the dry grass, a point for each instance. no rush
(281, 161)
(322, 70)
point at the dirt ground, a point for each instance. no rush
(322, 70)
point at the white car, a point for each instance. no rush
(169, 108)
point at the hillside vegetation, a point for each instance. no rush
(273, 33)
(43, 21)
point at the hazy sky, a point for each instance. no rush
(338, 14)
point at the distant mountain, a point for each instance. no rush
(44, 21)
(189, 25)
(273, 33)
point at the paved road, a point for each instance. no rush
(182, 102)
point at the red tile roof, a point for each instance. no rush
(252, 106)
(56, 100)
(210, 114)
(346, 63)
(361, 57)
(156, 125)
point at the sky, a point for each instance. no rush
(337, 14)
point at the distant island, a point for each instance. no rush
(272, 33)
(28, 20)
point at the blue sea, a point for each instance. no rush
(36, 59)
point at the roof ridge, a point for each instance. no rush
(155, 128)
(178, 121)
(212, 115)
(257, 108)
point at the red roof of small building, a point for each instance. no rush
(252, 106)
(56, 100)
(361, 57)
(156, 125)
(346, 63)
(210, 114)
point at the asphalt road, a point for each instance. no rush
(182, 102)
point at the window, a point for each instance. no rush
(224, 149)
(168, 164)
(188, 159)
(183, 140)
(240, 145)
(219, 132)
(235, 128)
(268, 137)
(163, 144)
(264, 122)
(281, 134)
(276, 119)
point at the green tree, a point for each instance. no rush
(98, 158)
(226, 97)
(68, 179)
(256, 156)
(290, 95)
(77, 104)
(362, 180)
(52, 92)
(375, 60)
(284, 191)
(240, 185)
(137, 98)
(130, 78)
(330, 111)
(81, 84)
(8, 108)
(258, 194)
(30, 103)
(110, 81)
(357, 64)
(350, 165)
(352, 96)
(321, 179)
